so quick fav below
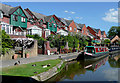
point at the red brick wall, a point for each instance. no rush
(99, 34)
(58, 29)
(73, 25)
(29, 25)
(84, 30)
(104, 35)
(6, 20)
(91, 31)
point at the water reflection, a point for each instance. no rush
(114, 61)
(100, 70)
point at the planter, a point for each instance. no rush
(26, 55)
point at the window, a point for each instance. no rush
(74, 29)
(3, 27)
(66, 28)
(50, 24)
(1, 14)
(70, 28)
(47, 33)
(77, 30)
(54, 25)
(83, 31)
(7, 28)
(15, 17)
(22, 19)
(41, 22)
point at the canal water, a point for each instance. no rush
(105, 69)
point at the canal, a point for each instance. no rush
(105, 69)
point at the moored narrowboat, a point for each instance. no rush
(95, 52)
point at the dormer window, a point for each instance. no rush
(15, 17)
(1, 14)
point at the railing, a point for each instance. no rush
(17, 33)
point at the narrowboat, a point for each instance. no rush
(114, 48)
(95, 52)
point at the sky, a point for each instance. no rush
(99, 15)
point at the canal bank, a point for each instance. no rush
(45, 75)
(56, 69)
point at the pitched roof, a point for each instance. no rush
(102, 32)
(78, 27)
(97, 30)
(63, 20)
(47, 18)
(27, 14)
(81, 25)
(13, 9)
(5, 9)
(68, 22)
(38, 15)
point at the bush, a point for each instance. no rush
(62, 47)
(7, 43)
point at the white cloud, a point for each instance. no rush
(66, 11)
(69, 17)
(71, 12)
(79, 18)
(111, 16)
(66, 18)
(111, 9)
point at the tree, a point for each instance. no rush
(106, 41)
(114, 30)
(6, 42)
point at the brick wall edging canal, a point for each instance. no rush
(55, 70)
(48, 74)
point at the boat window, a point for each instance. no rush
(90, 50)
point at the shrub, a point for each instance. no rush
(7, 43)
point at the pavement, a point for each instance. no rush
(7, 63)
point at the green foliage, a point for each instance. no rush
(36, 37)
(114, 30)
(106, 41)
(6, 42)
(73, 40)
(62, 47)
(70, 49)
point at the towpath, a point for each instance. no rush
(6, 63)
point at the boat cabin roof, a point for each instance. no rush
(95, 47)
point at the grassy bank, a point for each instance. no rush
(29, 70)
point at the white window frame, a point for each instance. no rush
(7, 26)
(66, 28)
(70, 28)
(22, 19)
